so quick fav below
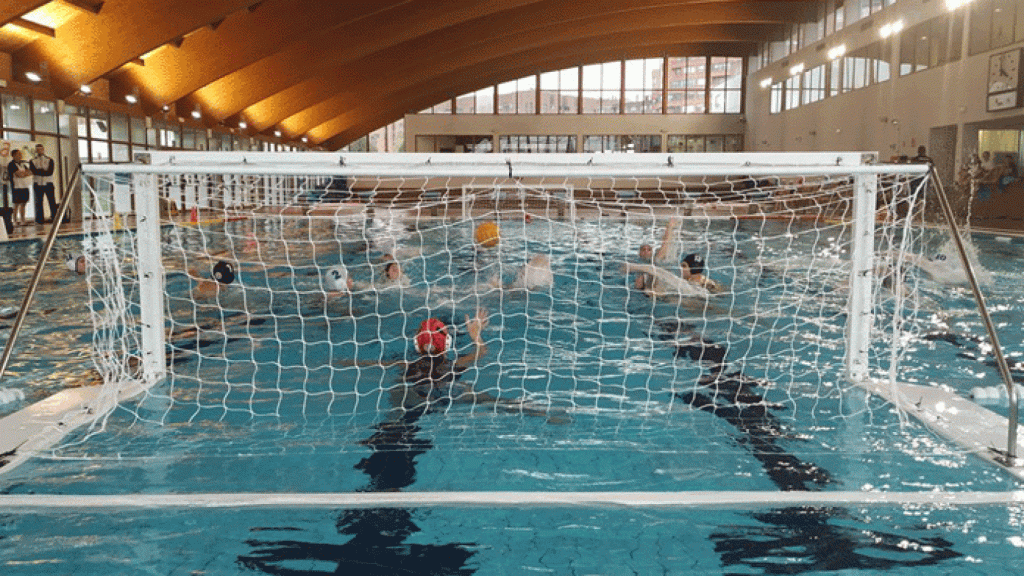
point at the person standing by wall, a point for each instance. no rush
(42, 169)
(20, 175)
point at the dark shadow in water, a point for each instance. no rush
(378, 535)
(790, 540)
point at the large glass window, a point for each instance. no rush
(45, 116)
(622, 143)
(119, 127)
(775, 102)
(533, 143)
(726, 90)
(559, 91)
(813, 84)
(518, 96)
(479, 102)
(138, 127)
(99, 125)
(931, 43)
(602, 88)
(687, 82)
(16, 113)
(643, 86)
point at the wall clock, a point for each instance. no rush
(1004, 71)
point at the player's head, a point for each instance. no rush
(223, 272)
(695, 262)
(75, 263)
(336, 279)
(433, 337)
(646, 252)
(392, 271)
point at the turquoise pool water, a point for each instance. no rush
(625, 408)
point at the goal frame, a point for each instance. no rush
(508, 168)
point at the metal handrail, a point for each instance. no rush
(1004, 369)
(58, 219)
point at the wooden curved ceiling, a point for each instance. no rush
(334, 70)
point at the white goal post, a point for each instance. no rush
(679, 179)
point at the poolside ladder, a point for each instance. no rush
(58, 219)
(1004, 369)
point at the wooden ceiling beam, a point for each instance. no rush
(251, 37)
(13, 9)
(375, 25)
(91, 46)
(258, 84)
(89, 6)
(34, 27)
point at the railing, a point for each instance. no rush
(1004, 369)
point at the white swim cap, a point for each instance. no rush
(71, 261)
(336, 278)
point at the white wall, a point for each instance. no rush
(893, 117)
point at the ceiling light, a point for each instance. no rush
(837, 51)
(131, 98)
(242, 125)
(197, 112)
(793, 71)
(85, 89)
(304, 139)
(766, 82)
(33, 76)
(166, 108)
(954, 4)
(277, 133)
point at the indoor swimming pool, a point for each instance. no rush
(591, 385)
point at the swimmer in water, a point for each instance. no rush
(693, 272)
(534, 275)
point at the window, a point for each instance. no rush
(119, 127)
(643, 83)
(931, 43)
(602, 88)
(726, 90)
(691, 95)
(559, 91)
(44, 116)
(138, 127)
(792, 92)
(813, 84)
(518, 96)
(537, 143)
(775, 102)
(16, 113)
(622, 143)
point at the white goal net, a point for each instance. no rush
(570, 300)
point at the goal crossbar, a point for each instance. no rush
(732, 500)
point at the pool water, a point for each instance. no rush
(602, 389)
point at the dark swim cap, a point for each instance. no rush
(695, 263)
(223, 273)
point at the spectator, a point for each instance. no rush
(19, 173)
(42, 168)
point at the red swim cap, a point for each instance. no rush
(432, 337)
